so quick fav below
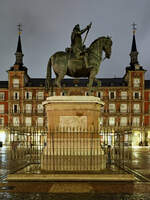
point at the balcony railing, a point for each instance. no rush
(16, 85)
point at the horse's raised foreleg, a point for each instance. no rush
(93, 73)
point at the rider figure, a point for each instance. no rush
(77, 45)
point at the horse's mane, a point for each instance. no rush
(96, 41)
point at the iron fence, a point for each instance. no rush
(70, 150)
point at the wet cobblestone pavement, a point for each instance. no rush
(75, 191)
(45, 196)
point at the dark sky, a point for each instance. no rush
(47, 26)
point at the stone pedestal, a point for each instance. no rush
(73, 133)
(73, 111)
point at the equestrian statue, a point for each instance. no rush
(79, 61)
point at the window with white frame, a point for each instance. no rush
(40, 95)
(136, 121)
(112, 95)
(123, 121)
(1, 121)
(111, 121)
(136, 82)
(123, 107)
(28, 95)
(52, 93)
(28, 121)
(28, 108)
(86, 93)
(112, 107)
(102, 108)
(99, 94)
(40, 108)
(123, 95)
(101, 121)
(16, 95)
(16, 121)
(40, 121)
(2, 108)
(136, 95)
(16, 108)
(2, 95)
(64, 93)
(16, 83)
(136, 108)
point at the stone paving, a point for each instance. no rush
(80, 190)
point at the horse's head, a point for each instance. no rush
(107, 46)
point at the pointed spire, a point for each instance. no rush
(19, 55)
(19, 46)
(134, 52)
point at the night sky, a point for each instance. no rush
(47, 27)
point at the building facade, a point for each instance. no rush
(127, 99)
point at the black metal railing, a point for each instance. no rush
(69, 150)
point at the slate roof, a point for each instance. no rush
(36, 82)
(147, 84)
(3, 84)
(106, 82)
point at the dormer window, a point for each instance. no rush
(136, 82)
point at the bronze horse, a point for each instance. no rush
(63, 64)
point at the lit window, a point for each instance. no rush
(111, 121)
(123, 121)
(40, 108)
(1, 121)
(16, 83)
(52, 93)
(112, 107)
(101, 121)
(124, 95)
(2, 95)
(123, 107)
(28, 108)
(28, 121)
(136, 82)
(16, 121)
(39, 121)
(136, 121)
(1, 108)
(136, 108)
(40, 95)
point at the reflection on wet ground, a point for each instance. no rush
(45, 196)
(69, 191)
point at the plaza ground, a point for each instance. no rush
(138, 189)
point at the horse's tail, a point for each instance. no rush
(48, 80)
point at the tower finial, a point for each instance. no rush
(134, 52)
(19, 29)
(19, 54)
(134, 28)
